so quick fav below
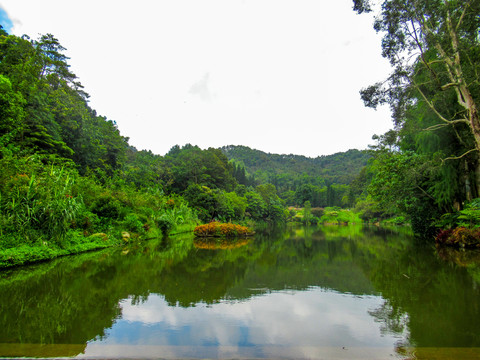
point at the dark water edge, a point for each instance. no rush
(348, 292)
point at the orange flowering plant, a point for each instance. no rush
(460, 237)
(218, 229)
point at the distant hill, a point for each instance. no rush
(339, 168)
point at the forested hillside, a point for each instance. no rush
(324, 181)
(339, 168)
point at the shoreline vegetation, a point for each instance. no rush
(213, 235)
(48, 209)
(81, 238)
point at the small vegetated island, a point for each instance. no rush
(70, 182)
(217, 235)
(217, 229)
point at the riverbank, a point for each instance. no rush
(77, 243)
(26, 254)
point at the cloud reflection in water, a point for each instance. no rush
(287, 319)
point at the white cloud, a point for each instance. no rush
(201, 88)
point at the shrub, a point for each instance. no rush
(470, 215)
(132, 223)
(165, 223)
(318, 212)
(86, 221)
(330, 215)
(222, 229)
(335, 215)
(460, 237)
(107, 207)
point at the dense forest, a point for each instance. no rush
(71, 182)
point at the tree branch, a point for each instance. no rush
(460, 139)
(459, 157)
(450, 122)
(422, 54)
(450, 65)
(462, 16)
(430, 196)
(446, 86)
(431, 106)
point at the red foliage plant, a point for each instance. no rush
(460, 237)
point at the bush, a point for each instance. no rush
(422, 215)
(318, 212)
(459, 237)
(107, 207)
(87, 221)
(368, 210)
(469, 216)
(132, 223)
(165, 223)
(218, 229)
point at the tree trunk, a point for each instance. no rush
(468, 188)
(477, 178)
(474, 121)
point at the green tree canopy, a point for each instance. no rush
(434, 48)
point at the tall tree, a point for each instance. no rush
(434, 47)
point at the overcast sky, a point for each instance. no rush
(282, 76)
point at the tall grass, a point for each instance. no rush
(39, 206)
(176, 217)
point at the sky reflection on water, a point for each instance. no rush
(265, 325)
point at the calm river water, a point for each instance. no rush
(299, 293)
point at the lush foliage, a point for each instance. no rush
(335, 215)
(429, 163)
(460, 228)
